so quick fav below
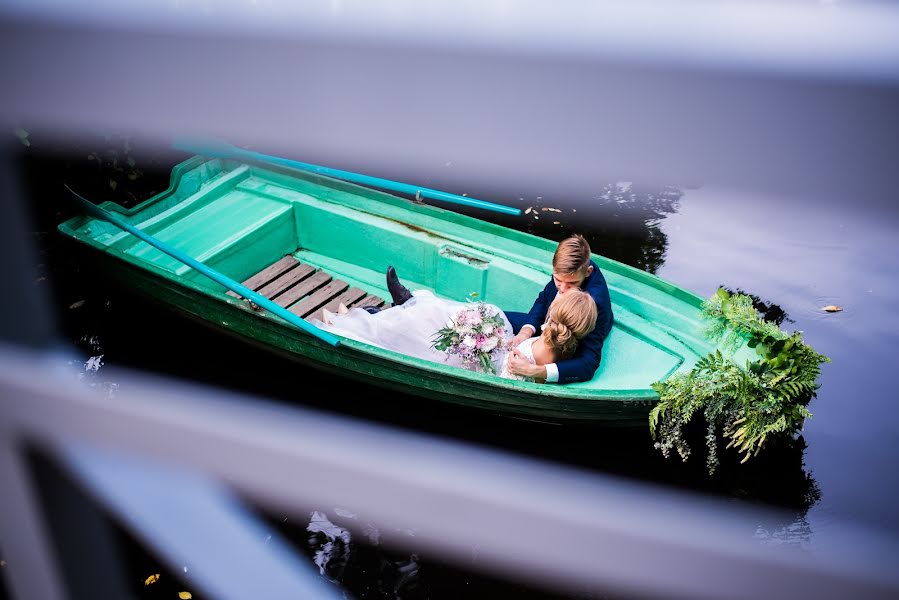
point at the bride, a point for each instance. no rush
(410, 325)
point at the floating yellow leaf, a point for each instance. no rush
(832, 308)
(151, 579)
(556, 223)
(544, 209)
(184, 595)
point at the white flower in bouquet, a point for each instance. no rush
(490, 344)
(474, 334)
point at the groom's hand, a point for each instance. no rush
(524, 334)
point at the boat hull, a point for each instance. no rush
(237, 319)
(242, 220)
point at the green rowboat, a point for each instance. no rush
(308, 242)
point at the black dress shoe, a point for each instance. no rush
(398, 292)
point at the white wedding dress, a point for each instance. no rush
(410, 328)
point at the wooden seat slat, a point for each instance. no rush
(287, 281)
(303, 289)
(319, 298)
(347, 298)
(370, 300)
(268, 274)
(306, 291)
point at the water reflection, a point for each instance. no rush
(330, 544)
(621, 221)
(769, 311)
(113, 166)
(343, 560)
(797, 533)
(367, 562)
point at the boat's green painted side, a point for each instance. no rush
(238, 218)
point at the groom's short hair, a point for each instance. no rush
(572, 255)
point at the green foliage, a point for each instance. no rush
(767, 398)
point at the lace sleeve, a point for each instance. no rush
(525, 347)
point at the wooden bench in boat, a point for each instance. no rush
(306, 291)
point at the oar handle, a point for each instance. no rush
(222, 150)
(224, 280)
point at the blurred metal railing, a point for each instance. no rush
(796, 97)
(167, 458)
(554, 95)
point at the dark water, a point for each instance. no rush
(794, 256)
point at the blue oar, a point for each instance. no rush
(229, 283)
(222, 150)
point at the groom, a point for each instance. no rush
(572, 268)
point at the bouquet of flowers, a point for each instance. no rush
(474, 334)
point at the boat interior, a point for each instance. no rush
(310, 242)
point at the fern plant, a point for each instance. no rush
(748, 405)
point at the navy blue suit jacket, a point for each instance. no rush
(585, 361)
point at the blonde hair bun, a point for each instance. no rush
(572, 315)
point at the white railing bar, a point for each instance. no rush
(32, 568)
(536, 95)
(853, 41)
(530, 520)
(193, 520)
